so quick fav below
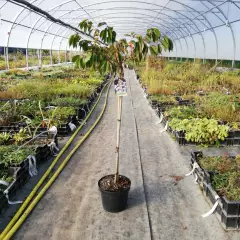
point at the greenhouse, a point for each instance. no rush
(119, 119)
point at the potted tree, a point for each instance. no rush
(107, 54)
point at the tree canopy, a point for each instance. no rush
(104, 52)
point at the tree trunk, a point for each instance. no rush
(118, 138)
(121, 71)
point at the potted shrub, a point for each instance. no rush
(108, 55)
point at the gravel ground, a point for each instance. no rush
(158, 208)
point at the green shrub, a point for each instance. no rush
(204, 131)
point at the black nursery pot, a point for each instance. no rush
(114, 201)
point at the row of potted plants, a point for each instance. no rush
(218, 178)
(196, 117)
(18, 163)
(31, 104)
(206, 118)
(57, 100)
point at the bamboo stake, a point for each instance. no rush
(118, 138)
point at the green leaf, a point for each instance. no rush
(154, 50)
(73, 40)
(75, 58)
(85, 27)
(83, 23)
(82, 63)
(157, 33)
(96, 33)
(164, 43)
(145, 50)
(102, 24)
(90, 26)
(78, 62)
(170, 47)
(104, 34)
(104, 67)
(88, 57)
(159, 49)
(110, 35)
(147, 39)
(140, 41)
(114, 35)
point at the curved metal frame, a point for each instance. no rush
(98, 16)
(189, 24)
(10, 29)
(101, 15)
(33, 26)
(232, 32)
(158, 23)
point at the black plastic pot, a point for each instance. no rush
(114, 201)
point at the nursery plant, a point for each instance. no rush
(108, 54)
(5, 176)
(12, 156)
(225, 175)
(4, 138)
(203, 131)
(68, 101)
(183, 112)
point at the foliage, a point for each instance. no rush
(226, 178)
(221, 106)
(48, 90)
(67, 92)
(68, 101)
(8, 112)
(5, 176)
(6, 149)
(200, 130)
(28, 107)
(233, 188)
(60, 115)
(12, 157)
(220, 164)
(163, 98)
(216, 95)
(21, 136)
(17, 138)
(107, 54)
(183, 112)
(156, 84)
(4, 138)
(90, 81)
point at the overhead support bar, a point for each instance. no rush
(48, 16)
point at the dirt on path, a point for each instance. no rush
(161, 205)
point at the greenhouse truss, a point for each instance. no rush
(204, 29)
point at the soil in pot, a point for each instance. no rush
(114, 196)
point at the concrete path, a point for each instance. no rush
(159, 208)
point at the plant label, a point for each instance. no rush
(121, 88)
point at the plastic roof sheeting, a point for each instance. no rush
(207, 29)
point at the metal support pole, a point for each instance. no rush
(70, 54)
(59, 59)
(40, 57)
(27, 63)
(66, 56)
(5, 58)
(51, 59)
